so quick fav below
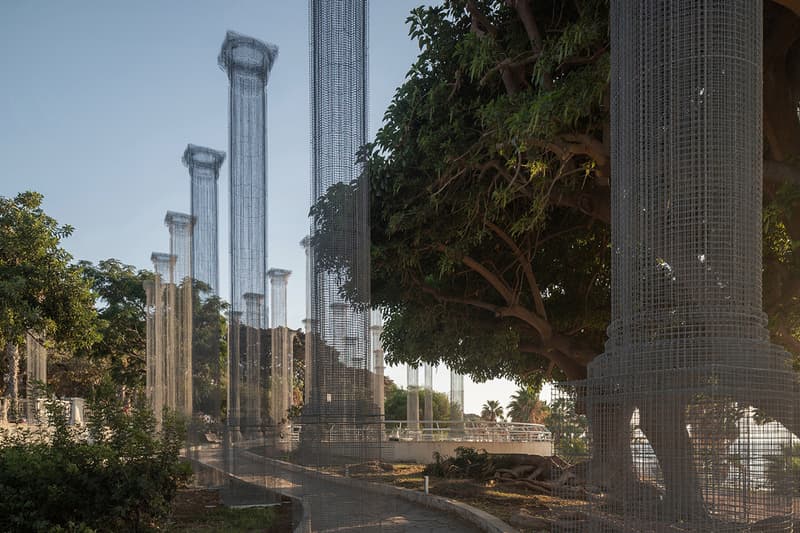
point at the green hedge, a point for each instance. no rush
(117, 474)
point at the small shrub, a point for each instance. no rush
(118, 475)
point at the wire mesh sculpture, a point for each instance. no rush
(456, 401)
(281, 368)
(204, 164)
(35, 375)
(340, 377)
(308, 359)
(376, 329)
(163, 330)
(180, 360)
(427, 407)
(412, 398)
(248, 62)
(691, 409)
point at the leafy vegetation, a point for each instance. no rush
(570, 430)
(492, 411)
(118, 475)
(489, 190)
(525, 406)
(396, 398)
(41, 291)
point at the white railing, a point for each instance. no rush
(471, 431)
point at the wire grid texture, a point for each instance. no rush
(180, 244)
(162, 328)
(247, 62)
(203, 165)
(341, 419)
(35, 374)
(691, 410)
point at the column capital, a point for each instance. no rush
(278, 274)
(175, 219)
(255, 297)
(306, 241)
(200, 156)
(162, 262)
(240, 52)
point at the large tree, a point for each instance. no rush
(41, 291)
(489, 189)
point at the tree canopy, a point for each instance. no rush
(490, 189)
(41, 291)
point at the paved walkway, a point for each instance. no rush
(336, 508)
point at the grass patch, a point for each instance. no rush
(224, 519)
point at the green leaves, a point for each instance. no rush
(40, 290)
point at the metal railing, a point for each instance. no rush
(471, 431)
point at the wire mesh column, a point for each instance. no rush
(340, 377)
(203, 165)
(427, 411)
(281, 368)
(247, 62)
(456, 401)
(180, 243)
(36, 375)
(161, 281)
(690, 402)
(376, 329)
(412, 399)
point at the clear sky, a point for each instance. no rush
(98, 100)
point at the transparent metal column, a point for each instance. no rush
(204, 164)
(180, 246)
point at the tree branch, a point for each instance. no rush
(525, 263)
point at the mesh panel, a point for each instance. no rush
(340, 420)
(162, 331)
(204, 164)
(456, 396)
(689, 414)
(35, 375)
(180, 358)
(247, 62)
(376, 329)
(412, 399)
(427, 409)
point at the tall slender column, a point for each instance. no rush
(234, 375)
(253, 357)
(341, 353)
(278, 281)
(161, 281)
(204, 164)
(428, 408)
(36, 369)
(376, 328)
(456, 401)
(180, 246)
(248, 62)
(412, 400)
(150, 377)
(307, 324)
(281, 367)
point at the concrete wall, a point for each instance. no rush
(422, 452)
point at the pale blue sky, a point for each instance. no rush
(98, 100)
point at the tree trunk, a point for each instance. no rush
(665, 427)
(12, 378)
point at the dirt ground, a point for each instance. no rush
(518, 507)
(202, 510)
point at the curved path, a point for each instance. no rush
(336, 508)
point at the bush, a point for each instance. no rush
(117, 475)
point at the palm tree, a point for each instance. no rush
(492, 411)
(525, 406)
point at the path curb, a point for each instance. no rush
(481, 519)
